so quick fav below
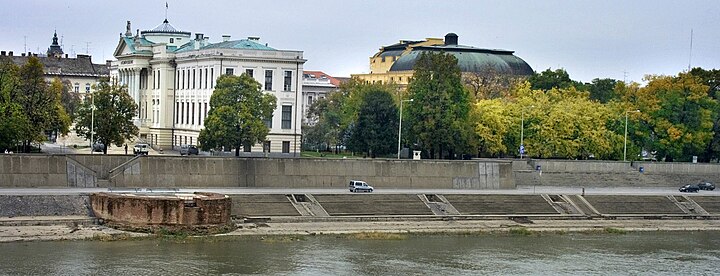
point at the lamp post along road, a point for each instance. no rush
(400, 125)
(625, 142)
(522, 131)
(92, 123)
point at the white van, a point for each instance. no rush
(359, 186)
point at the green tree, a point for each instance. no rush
(550, 79)
(711, 78)
(438, 119)
(62, 121)
(493, 122)
(114, 112)
(39, 103)
(602, 90)
(376, 125)
(69, 99)
(13, 122)
(677, 115)
(238, 109)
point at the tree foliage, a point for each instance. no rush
(602, 90)
(13, 122)
(488, 83)
(677, 115)
(550, 79)
(438, 119)
(30, 108)
(377, 121)
(238, 110)
(113, 116)
(711, 78)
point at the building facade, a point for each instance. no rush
(79, 71)
(172, 75)
(394, 63)
(317, 85)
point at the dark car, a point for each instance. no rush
(689, 188)
(189, 150)
(706, 186)
(97, 146)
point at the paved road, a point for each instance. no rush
(520, 190)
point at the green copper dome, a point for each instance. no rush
(470, 59)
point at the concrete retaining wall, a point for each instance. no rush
(27, 171)
(678, 168)
(585, 166)
(176, 171)
(318, 173)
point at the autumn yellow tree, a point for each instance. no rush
(676, 115)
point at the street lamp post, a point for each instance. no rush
(92, 123)
(400, 125)
(625, 142)
(522, 130)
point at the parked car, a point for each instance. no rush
(141, 148)
(97, 146)
(706, 186)
(359, 186)
(689, 188)
(189, 150)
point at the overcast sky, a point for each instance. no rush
(590, 39)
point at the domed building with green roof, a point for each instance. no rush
(172, 75)
(394, 63)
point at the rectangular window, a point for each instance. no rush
(206, 110)
(206, 78)
(200, 122)
(250, 72)
(310, 100)
(182, 113)
(177, 112)
(268, 80)
(229, 71)
(77, 88)
(177, 79)
(268, 122)
(286, 147)
(182, 77)
(200, 79)
(193, 79)
(212, 78)
(154, 82)
(87, 88)
(287, 83)
(187, 113)
(266, 146)
(286, 116)
(192, 114)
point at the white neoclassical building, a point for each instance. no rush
(172, 75)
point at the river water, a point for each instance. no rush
(656, 253)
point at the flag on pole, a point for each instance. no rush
(166, 5)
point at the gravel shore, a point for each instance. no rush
(74, 231)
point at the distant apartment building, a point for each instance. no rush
(318, 85)
(394, 63)
(79, 71)
(171, 76)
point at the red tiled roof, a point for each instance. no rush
(320, 74)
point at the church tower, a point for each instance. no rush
(55, 50)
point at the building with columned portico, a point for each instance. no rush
(171, 76)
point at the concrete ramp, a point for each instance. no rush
(710, 204)
(372, 204)
(501, 204)
(262, 205)
(634, 204)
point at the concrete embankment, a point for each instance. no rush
(295, 214)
